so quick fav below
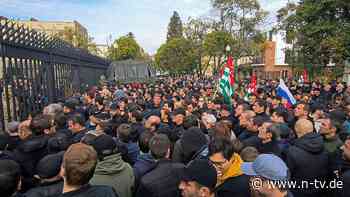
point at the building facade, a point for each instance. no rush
(271, 64)
(56, 28)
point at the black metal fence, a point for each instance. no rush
(36, 69)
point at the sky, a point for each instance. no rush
(147, 19)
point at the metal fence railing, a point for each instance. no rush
(36, 69)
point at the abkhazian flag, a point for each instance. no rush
(226, 88)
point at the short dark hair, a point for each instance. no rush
(282, 112)
(41, 122)
(138, 115)
(306, 106)
(79, 163)
(99, 100)
(190, 121)
(261, 103)
(60, 120)
(77, 119)
(159, 146)
(10, 175)
(221, 145)
(144, 140)
(124, 131)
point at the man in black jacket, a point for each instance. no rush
(164, 179)
(48, 171)
(268, 136)
(345, 170)
(77, 127)
(10, 178)
(32, 148)
(199, 179)
(307, 159)
(259, 108)
(79, 163)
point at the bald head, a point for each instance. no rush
(303, 126)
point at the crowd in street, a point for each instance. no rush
(177, 137)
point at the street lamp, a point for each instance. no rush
(115, 45)
(228, 48)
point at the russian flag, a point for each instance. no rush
(283, 91)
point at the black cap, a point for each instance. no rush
(71, 103)
(104, 145)
(179, 111)
(103, 116)
(50, 165)
(202, 172)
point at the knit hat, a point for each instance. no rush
(192, 140)
(50, 165)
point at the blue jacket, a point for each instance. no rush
(144, 164)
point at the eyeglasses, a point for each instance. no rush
(219, 164)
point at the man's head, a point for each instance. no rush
(208, 120)
(240, 109)
(10, 177)
(249, 154)
(76, 123)
(42, 124)
(104, 145)
(160, 146)
(265, 133)
(303, 127)
(12, 128)
(302, 110)
(346, 149)
(152, 123)
(246, 118)
(279, 115)
(144, 140)
(220, 152)
(327, 128)
(123, 132)
(79, 163)
(178, 116)
(265, 169)
(157, 98)
(48, 168)
(259, 106)
(70, 105)
(199, 179)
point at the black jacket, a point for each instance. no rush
(76, 137)
(46, 189)
(28, 153)
(162, 181)
(307, 160)
(234, 186)
(270, 148)
(91, 191)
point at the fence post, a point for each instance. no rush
(51, 78)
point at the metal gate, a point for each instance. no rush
(36, 69)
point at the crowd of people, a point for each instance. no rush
(176, 137)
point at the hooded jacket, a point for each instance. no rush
(307, 160)
(233, 182)
(114, 172)
(144, 164)
(345, 178)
